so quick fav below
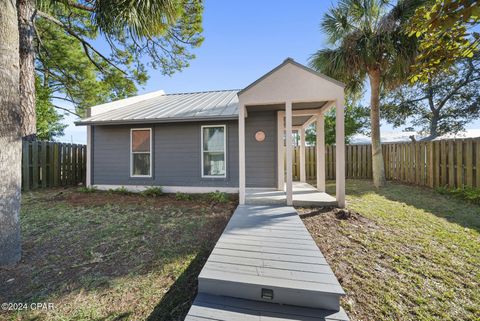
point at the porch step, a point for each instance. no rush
(211, 307)
(266, 254)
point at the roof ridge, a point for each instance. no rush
(203, 91)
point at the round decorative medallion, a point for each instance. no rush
(260, 136)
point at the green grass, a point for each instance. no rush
(410, 254)
(110, 256)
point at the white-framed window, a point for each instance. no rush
(141, 152)
(214, 149)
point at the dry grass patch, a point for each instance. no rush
(405, 253)
(105, 256)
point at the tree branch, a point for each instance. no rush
(67, 110)
(84, 43)
(63, 98)
(465, 81)
(78, 5)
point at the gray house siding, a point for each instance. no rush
(176, 155)
(261, 157)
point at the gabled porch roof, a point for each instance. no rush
(301, 96)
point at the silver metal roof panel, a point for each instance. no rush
(172, 107)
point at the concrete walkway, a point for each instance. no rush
(304, 194)
(266, 266)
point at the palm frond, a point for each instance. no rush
(146, 18)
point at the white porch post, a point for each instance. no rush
(303, 175)
(241, 154)
(340, 153)
(320, 144)
(88, 179)
(280, 151)
(289, 146)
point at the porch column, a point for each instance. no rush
(289, 146)
(320, 145)
(340, 153)
(88, 178)
(303, 176)
(280, 151)
(241, 154)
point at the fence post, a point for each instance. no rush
(43, 162)
(25, 165)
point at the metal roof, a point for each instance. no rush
(158, 107)
(208, 105)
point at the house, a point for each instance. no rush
(231, 140)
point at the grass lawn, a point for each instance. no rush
(408, 253)
(104, 256)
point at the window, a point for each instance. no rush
(141, 152)
(213, 151)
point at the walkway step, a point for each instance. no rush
(267, 254)
(209, 307)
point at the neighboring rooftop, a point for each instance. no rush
(220, 104)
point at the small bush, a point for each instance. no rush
(85, 189)
(183, 196)
(470, 194)
(219, 197)
(121, 190)
(152, 191)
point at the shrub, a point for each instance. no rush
(470, 194)
(152, 191)
(183, 196)
(121, 190)
(219, 197)
(85, 189)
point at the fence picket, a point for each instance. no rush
(47, 164)
(25, 167)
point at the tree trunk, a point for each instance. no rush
(26, 9)
(378, 169)
(10, 135)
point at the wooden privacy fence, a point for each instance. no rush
(49, 164)
(453, 163)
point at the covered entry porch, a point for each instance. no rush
(295, 97)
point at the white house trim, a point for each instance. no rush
(241, 154)
(280, 151)
(340, 153)
(150, 152)
(224, 150)
(303, 174)
(289, 151)
(320, 145)
(170, 189)
(88, 179)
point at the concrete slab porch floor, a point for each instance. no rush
(304, 194)
(266, 266)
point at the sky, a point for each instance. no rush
(243, 40)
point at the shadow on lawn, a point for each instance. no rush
(444, 206)
(175, 304)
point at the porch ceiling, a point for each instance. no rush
(299, 120)
(295, 106)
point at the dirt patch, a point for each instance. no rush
(334, 232)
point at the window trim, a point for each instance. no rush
(224, 150)
(131, 153)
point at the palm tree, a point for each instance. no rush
(368, 39)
